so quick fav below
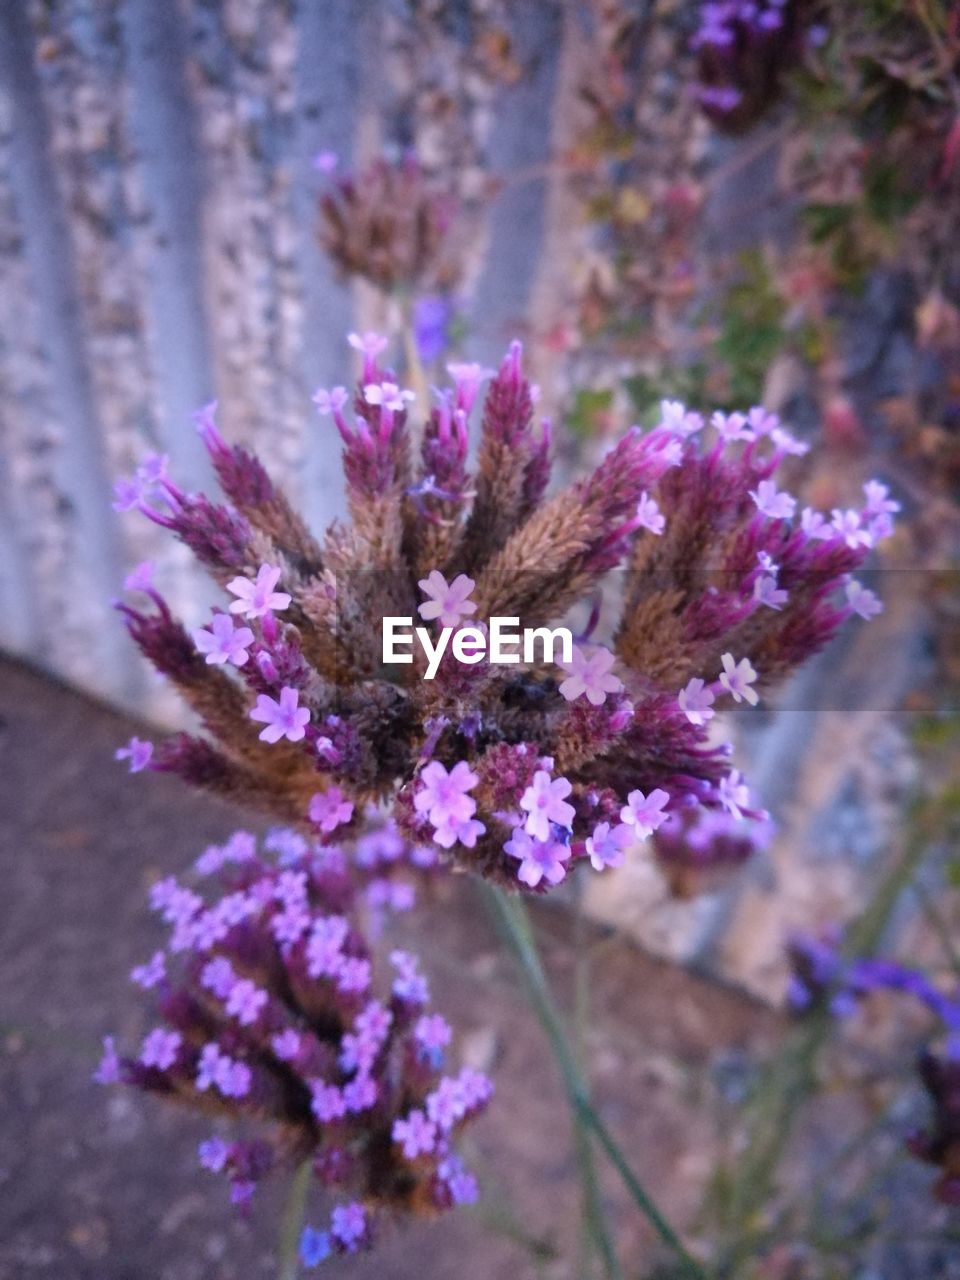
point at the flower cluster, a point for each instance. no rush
(271, 1013)
(390, 224)
(743, 48)
(519, 771)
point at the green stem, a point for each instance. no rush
(511, 914)
(292, 1223)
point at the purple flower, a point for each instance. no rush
(360, 1094)
(245, 1002)
(138, 752)
(409, 983)
(849, 525)
(737, 678)
(862, 600)
(284, 719)
(314, 1246)
(674, 417)
(160, 1048)
(108, 1070)
(442, 795)
(325, 946)
(607, 844)
(734, 793)
(388, 395)
(328, 402)
(539, 859)
(150, 974)
(348, 1224)
(731, 427)
(766, 591)
(140, 578)
(370, 345)
(696, 702)
(325, 162)
(450, 603)
(213, 1154)
(645, 813)
(649, 515)
(545, 802)
(328, 809)
(446, 1105)
(258, 598)
(224, 641)
(416, 1134)
(467, 379)
(772, 503)
(432, 1032)
(328, 1102)
(286, 1044)
(451, 831)
(591, 674)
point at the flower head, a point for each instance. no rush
(138, 752)
(539, 859)
(545, 802)
(645, 813)
(224, 641)
(605, 847)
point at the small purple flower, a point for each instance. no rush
(348, 1224)
(258, 598)
(545, 802)
(224, 641)
(388, 395)
(431, 326)
(325, 161)
(328, 1102)
(849, 525)
(369, 345)
(674, 417)
(649, 515)
(409, 983)
(213, 1154)
(286, 1044)
(150, 974)
(737, 678)
(245, 1002)
(432, 1032)
(328, 402)
(284, 719)
(450, 602)
(446, 1104)
(590, 674)
(325, 946)
(160, 1048)
(314, 1246)
(138, 752)
(539, 859)
(734, 793)
(360, 1094)
(140, 578)
(645, 813)
(328, 809)
(772, 503)
(766, 592)
(108, 1070)
(442, 796)
(696, 702)
(862, 600)
(416, 1134)
(606, 845)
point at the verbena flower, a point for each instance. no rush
(728, 597)
(390, 223)
(697, 848)
(274, 1014)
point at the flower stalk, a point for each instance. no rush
(511, 914)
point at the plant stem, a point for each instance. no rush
(511, 914)
(292, 1223)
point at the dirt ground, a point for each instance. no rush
(103, 1184)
